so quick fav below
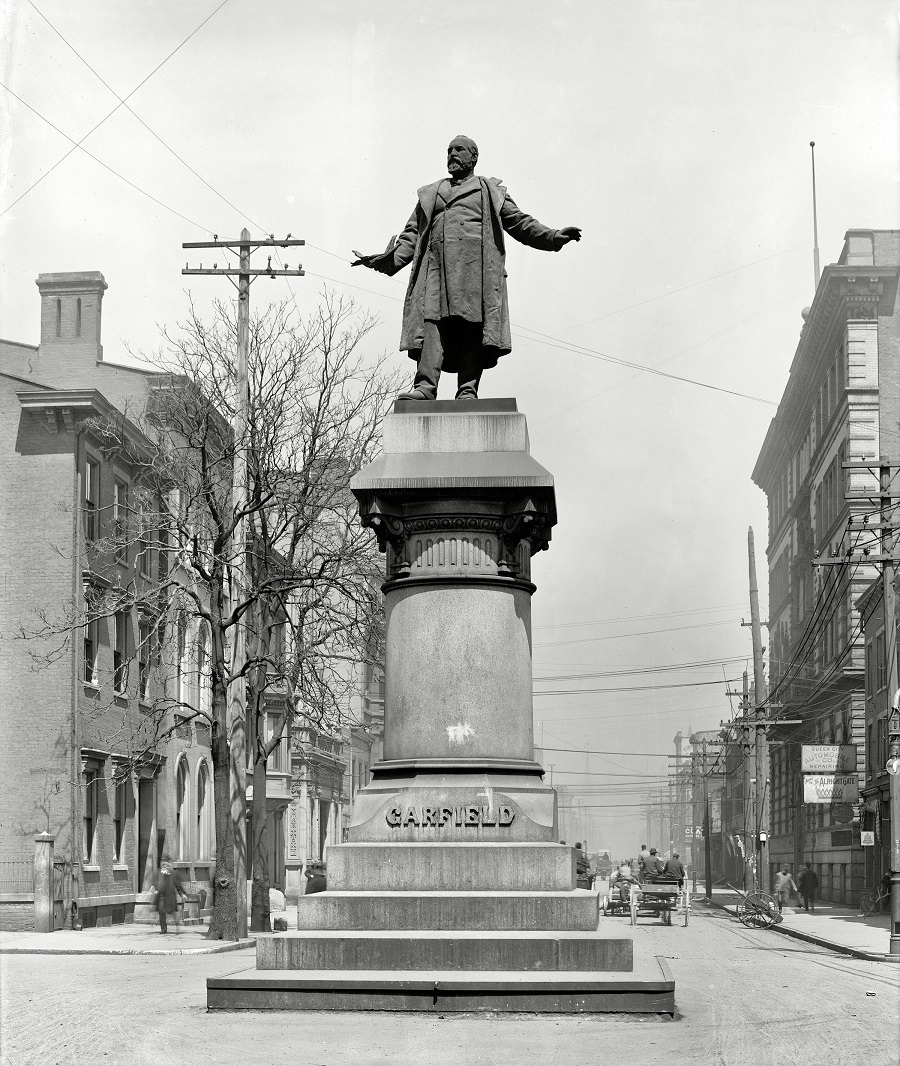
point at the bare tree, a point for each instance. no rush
(308, 601)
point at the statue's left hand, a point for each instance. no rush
(571, 233)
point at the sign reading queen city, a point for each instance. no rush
(471, 814)
(828, 758)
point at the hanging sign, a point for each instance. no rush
(830, 788)
(828, 758)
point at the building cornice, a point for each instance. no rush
(844, 293)
(72, 404)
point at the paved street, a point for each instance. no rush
(743, 997)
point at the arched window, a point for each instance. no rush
(204, 812)
(78, 317)
(182, 818)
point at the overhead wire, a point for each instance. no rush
(625, 636)
(638, 617)
(94, 128)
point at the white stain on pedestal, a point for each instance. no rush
(459, 734)
(489, 796)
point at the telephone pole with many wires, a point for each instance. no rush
(237, 702)
(761, 807)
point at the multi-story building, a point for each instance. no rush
(365, 735)
(841, 406)
(80, 703)
(315, 813)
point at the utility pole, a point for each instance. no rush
(237, 700)
(888, 546)
(761, 819)
(747, 749)
(694, 793)
(887, 557)
(707, 828)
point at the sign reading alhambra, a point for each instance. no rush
(472, 814)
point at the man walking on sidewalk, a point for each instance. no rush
(807, 883)
(785, 888)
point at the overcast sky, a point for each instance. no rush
(675, 134)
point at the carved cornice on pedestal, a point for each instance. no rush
(431, 535)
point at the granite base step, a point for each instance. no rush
(488, 911)
(456, 950)
(456, 867)
(649, 989)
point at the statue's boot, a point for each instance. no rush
(414, 394)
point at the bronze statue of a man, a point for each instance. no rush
(455, 316)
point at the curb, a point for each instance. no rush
(811, 938)
(235, 945)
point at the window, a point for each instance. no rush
(143, 658)
(90, 787)
(120, 519)
(145, 544)
(204, 702)
(181, 665)
(273, 727)
(204, 813)
(59, 318)
(91, 500)
(78, 317)
(120, 819)
(91, 632)
(120, 653)
(880, 663)
(182, 826)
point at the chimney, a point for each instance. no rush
(70, 316)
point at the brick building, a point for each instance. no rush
(841, 405)
(79, 706)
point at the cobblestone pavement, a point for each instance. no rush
(745, 998)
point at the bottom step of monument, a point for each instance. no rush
(648, 988)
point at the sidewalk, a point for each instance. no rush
(839, 928)
(130, 939)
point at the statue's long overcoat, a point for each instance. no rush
(499, 214)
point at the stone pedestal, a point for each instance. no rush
(43, 883)
(452, 891)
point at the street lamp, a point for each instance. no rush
(893, 768)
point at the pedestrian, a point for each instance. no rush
(582, 867)
(315, 878)
(785, 888)
(807, 883)
(167, 892)
(653, 866)
(621, 882)
(675, 869)
(884, 902)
